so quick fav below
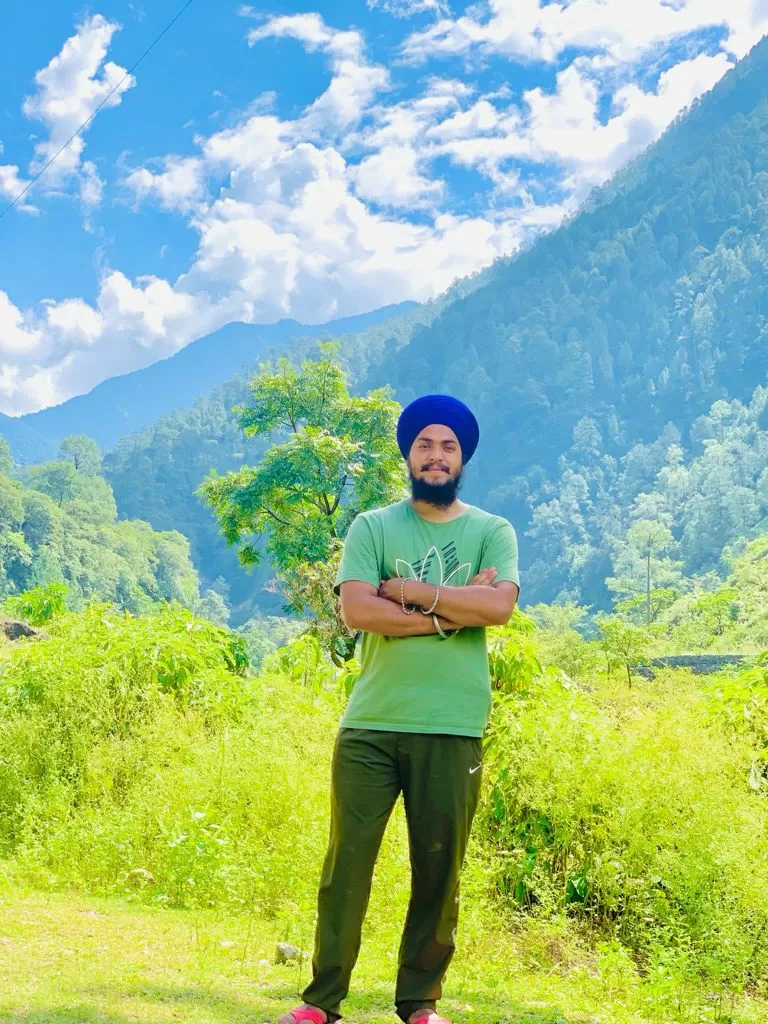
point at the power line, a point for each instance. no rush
(88, 120)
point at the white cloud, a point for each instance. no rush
(393, 177)
(532, 30)
(17, 335)
(75, 322)
(354, 82)
(69, 89)
(70, 346)
(91, 185)
(177, 187)
(409, 8)
(564, 127)
(11, 185)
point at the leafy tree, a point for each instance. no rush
(213, 607)
(6, 456)
(335, 456)
(60, 480)
(623, 643)
(636, 608)
(639, 563)
(83, 452)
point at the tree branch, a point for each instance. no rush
(276, 517)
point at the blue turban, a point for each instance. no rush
(442, 409)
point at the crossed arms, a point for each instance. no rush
(481, 603)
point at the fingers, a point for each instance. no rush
(484, 578)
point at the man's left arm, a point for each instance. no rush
(479, 605)
(488, 604)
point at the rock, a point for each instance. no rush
(285, 953)
(14, 630)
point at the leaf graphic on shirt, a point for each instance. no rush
(460, 571)
(458, 578)
(405, 570)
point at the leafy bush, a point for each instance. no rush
(635, 817)
(39, 605)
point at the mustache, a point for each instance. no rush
(427, 466)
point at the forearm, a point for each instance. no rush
(467, 606)
(378, 615)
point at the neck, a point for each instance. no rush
(438, 513)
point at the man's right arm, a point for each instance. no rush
(363, 610)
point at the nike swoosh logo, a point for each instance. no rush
(473, 770)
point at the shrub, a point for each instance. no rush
(634, 817)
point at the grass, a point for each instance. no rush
(71, 959)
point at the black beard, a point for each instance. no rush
(440, 495)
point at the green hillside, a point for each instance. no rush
(59, 524)
(125, 404)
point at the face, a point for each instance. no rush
(435, 465)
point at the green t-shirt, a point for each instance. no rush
(425, 683)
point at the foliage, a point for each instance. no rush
(39, 605)
(513, 654)
(139, 757)
(6, 457)
(265, 635)
(637, 818)
(84, 453)
(60, 527)
(339, 459)
(623, 643)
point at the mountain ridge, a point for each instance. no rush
(125, 403)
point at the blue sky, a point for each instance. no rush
(310, 160)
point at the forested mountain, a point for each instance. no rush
(124, 404)
(613, 368)
(59, 524)
(621, 328)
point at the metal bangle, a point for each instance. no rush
(439, 628)
(434, 603)
(402, 598)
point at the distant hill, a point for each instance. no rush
(124, 404)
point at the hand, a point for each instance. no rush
(390, 589)
(485, 578)
(447, 626)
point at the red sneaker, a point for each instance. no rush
(312, 1014)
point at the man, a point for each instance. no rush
(420, 578)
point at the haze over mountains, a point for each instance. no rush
(124, 404)
(587, 359)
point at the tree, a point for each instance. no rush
(623, 643)
(639, 566)
(58, 479)
(6, 456)
(83, 452)
(334, 456)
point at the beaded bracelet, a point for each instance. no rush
(434, 603)
(402, 598)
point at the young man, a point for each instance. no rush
(420, 578)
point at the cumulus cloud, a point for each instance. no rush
(408, 8)
(354, 81)
(69, 346)
(349, 205)
(69, 90)
(533, 30)
(178, 186)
